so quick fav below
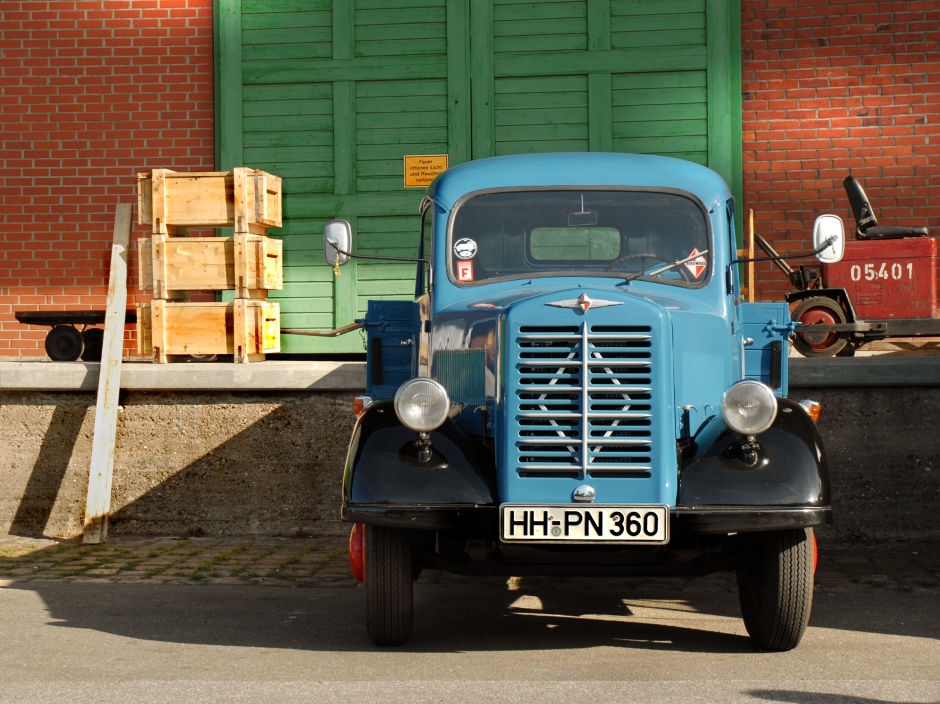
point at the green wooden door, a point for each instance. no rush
(332, 94)
(643, 76)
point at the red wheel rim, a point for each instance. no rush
(820, 316)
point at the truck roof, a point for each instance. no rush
(579, 169)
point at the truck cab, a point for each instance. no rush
(578, 389)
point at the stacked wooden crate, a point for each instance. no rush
(173, 265)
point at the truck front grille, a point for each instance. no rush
(583, 401)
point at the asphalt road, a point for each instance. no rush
(540, 641)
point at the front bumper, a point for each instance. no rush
(483, 521)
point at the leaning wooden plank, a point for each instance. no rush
(98, 502)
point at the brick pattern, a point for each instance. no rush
(91, 93)
(832, 87)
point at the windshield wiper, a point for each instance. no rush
(666, 267)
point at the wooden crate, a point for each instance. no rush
(245, 329)
(247, 199)
(251, 265)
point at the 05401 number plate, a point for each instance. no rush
(522, 523)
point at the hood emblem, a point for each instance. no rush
(584, 303)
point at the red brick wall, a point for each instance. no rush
(93, 92)
(90, 94)
(832, 86)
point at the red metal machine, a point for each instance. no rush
(885, 286)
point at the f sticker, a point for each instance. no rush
(464, 270)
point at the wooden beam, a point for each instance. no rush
(98, 502)
(751, 285)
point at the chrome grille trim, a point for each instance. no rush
(584, 400)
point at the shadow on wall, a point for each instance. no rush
(274, 466)
(49, 472)
(269, 464)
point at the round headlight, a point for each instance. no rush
(749, 407)
(422, 404)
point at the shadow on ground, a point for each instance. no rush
(465, 615)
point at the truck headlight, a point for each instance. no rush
(422, 404)
(749, 407)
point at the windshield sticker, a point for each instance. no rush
(465, 248)
(464, 270)
(697, 263)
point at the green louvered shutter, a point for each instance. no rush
(605, 75)
(332, 94)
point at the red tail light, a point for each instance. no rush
(815, 553)
(357, 551)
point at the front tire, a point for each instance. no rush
(776, 588)
(388, 581)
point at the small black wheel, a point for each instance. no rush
(94, 341)
(818, 310)
(64, 344)
(388, 581)
(776, 588)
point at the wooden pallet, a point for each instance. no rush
(247, 199)
(251, 265)
(245, 329)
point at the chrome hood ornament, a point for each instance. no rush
(584, 303)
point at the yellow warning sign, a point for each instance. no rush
(420, 170)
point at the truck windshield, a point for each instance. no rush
(525, 234)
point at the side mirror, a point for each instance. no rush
(337, 235)
(828, 228)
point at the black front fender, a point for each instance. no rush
(382, 466)
(791, 469)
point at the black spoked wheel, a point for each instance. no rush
(776, 588)
(94, 340)
(818, 310)
(64, 343)
(389, 593)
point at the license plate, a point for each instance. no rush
(524, 523)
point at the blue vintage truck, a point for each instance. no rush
(578, 389)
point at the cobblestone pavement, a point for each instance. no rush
(309, 562)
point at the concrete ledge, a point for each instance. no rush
(882, 370)
(210, 376)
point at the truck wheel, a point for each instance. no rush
(776, 588)
(818, 310)
(64, 344)
(389, 594)
(93, 338)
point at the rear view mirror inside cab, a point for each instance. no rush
(829, 239)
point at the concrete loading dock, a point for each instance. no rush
(259, 449)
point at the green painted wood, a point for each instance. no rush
(333, 93)
(345, 287)
(284, 6)
(622, 60)
(358, 69)
(483, 143)
(724, 97)
(600, 106)
(458, 96)
(318, 46)
(228, 67)
(285, 20)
